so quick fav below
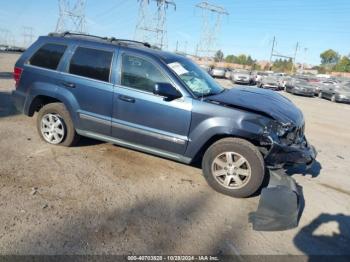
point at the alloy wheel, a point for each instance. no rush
(52, 128)
(231, 170)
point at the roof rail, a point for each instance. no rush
(111, 39)
(67, 33)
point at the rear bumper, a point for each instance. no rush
(280, 155)
(18, 99)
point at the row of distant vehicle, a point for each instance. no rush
(336, 90)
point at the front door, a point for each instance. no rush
(143, 118)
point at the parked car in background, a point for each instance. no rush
(324, 85)
(228, 73)
(218, 72)
(127, 93)
(241, 76)
(269, 82)
(337, 93)
(259, 76)
(206, 68)
(300, 87)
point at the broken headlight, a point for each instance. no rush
(283, 129)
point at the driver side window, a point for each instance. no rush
(140, 74)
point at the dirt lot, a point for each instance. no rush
(98, 198)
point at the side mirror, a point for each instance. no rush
(167, 90)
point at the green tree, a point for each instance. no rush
(329, 57)
(343, 65)
(250, 60)
(241, 59)
(230, 59)
(219, 56)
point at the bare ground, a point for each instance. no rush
(98, 198)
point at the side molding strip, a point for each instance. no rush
(149, 150)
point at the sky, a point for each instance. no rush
(316, 25)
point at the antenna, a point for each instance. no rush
(152, 28)
(71, 16)
(210, 31)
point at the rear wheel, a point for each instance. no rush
(234, 167)
(55, 125)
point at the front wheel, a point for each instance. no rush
(234, 167)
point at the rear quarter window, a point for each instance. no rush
(91, 63)
(48, 56)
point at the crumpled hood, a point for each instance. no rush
(260, 100)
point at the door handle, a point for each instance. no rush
(127, 99)
(68, 84)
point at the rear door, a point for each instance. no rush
(143, 118)
(88, 78)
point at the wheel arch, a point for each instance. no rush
(40, 97)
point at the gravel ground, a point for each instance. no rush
(98, 198)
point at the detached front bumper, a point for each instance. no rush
(280, 155)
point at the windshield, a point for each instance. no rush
(197, 80)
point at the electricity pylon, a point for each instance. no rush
(151, 27)
(71, 16)
(210, 28)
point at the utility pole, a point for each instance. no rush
(152, 28)
(210, 30)
(295, 56)
(71, 16)
(273, 47)
(27, 36)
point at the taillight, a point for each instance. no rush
(17, 75)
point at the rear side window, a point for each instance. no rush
(48, 56)
(91, 63)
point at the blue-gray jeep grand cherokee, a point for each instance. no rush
(130, 94)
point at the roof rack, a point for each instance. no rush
(111, 39)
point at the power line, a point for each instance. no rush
(152, 28)
(71, 17)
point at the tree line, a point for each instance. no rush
(330, 61)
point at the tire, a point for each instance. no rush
(333, 99)
(254, 165)
(60, 115)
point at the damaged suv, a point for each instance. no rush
(132, 95)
